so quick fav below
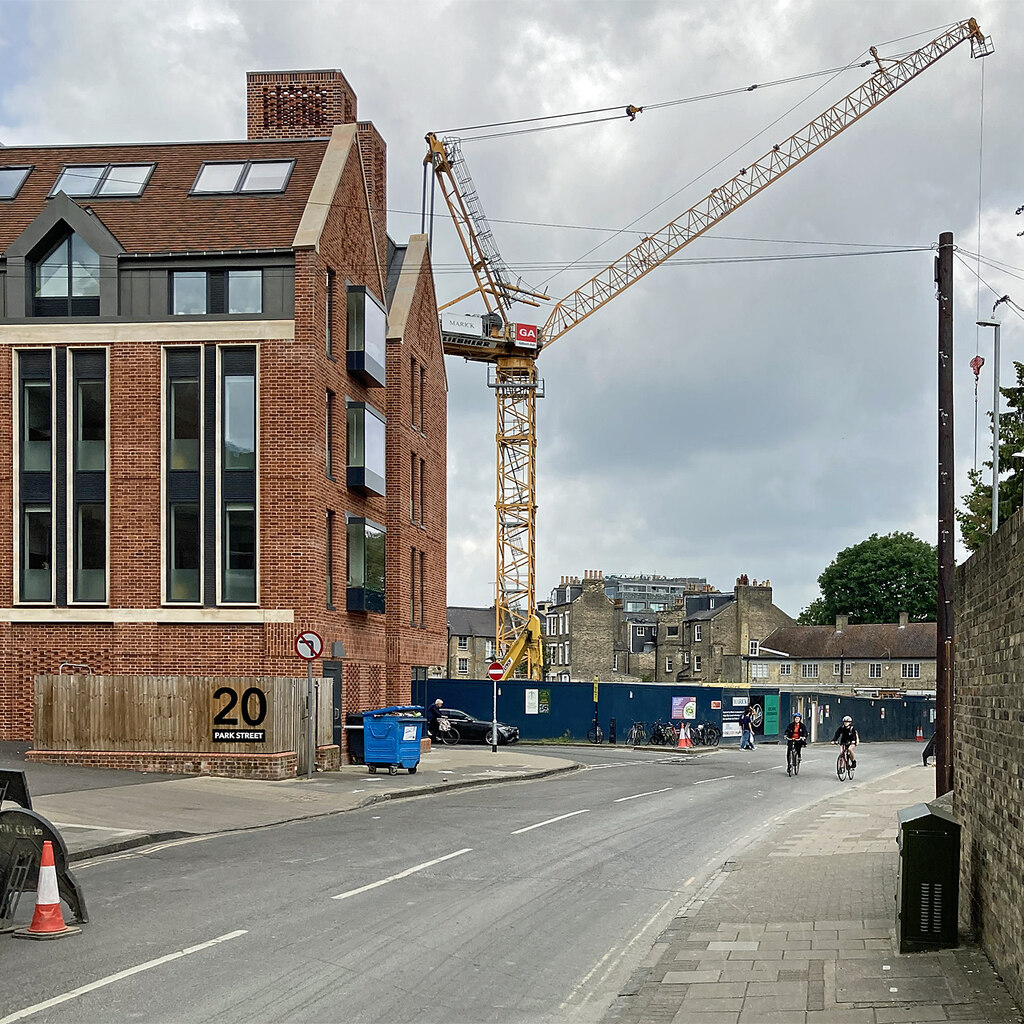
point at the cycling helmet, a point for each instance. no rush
(796, 714)
(846, 719)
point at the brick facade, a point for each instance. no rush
(332, 214)
(988, 747)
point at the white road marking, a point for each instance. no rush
(717, 778)
(120, 975)
(774, 768)
(401, 874)
(98, 828)
(636, 796)
(550, 821)
(613, 764)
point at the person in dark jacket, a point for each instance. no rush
(433, 714)
(747, 729)
(847, 736)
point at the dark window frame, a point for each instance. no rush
(103, 177)
(243, 173)
(27, 168)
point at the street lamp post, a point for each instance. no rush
(994, 323)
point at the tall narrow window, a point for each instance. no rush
(422, 503)
(239, 422)
(90, 425)
(330, 434)
(413, 565)
(239, 584)
(420, 393)
(414, 380)
(37, 420)
(36, 554)
(184, 423)
(367, 337)
(91, 553)
(329, 558)
(422, 588)
(365, 438)
(184, 552)
(413, 491)
(329, 311)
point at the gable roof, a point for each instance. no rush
(870, 640)
(472, 621)
(165, 218)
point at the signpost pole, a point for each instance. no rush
(496, 671)
(310, 738)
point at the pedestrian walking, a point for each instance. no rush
(747, 728)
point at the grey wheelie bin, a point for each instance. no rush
(391, 738)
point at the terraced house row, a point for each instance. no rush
(225, 409)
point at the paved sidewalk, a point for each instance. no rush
(799, 928)
(96, 816)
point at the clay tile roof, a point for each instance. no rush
(165, 218)
(880, 640)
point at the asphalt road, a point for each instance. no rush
(520, 902)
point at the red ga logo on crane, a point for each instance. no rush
(526, 335)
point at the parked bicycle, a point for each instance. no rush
(845, 763)
(663, 733)
(595, 733)
(704, 734)
(637, 735)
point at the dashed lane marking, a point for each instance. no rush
(119, 976)
(550, 821)
(401, 874)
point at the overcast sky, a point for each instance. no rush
(737, 411)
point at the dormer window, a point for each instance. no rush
(66, 281)
(242, 176)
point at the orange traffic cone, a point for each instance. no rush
(48, 921)
(684, 737)
(920, 735)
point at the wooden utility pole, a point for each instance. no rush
(944, 605)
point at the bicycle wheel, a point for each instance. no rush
(449, 735)
(849, 768)
(595, 735)
(713, 737)
(841, 766)
(672, 737)
(796, 762)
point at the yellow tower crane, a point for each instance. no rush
(513, 347)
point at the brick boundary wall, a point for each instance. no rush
(988, 747)
(269, 767)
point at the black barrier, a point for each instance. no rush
(22, 834)
(611, 731)
(14, 787)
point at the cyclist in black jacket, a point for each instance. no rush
(847, 736)
(796, 737)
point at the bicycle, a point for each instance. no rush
(845, 764)
(446, 732)
(663, 733)
(793, 755)
(637, 735)
(704, 734)
(594, 733)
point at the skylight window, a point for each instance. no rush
(92, 180)
(243, 176)
(11, 179)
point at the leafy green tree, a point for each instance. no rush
(875, 580)
(975, 518)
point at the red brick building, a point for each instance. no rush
(227, 409)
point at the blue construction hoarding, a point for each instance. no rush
(554, 710)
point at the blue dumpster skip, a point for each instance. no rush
(391, 738)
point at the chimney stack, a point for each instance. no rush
(904, 619)
(297, 104)
(842, 621)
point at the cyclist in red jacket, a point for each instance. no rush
(796, 736)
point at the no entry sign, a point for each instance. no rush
(496, 671)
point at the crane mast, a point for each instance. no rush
(514, 375)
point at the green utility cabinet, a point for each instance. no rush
(928, 881)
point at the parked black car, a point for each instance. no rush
(475, 730)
